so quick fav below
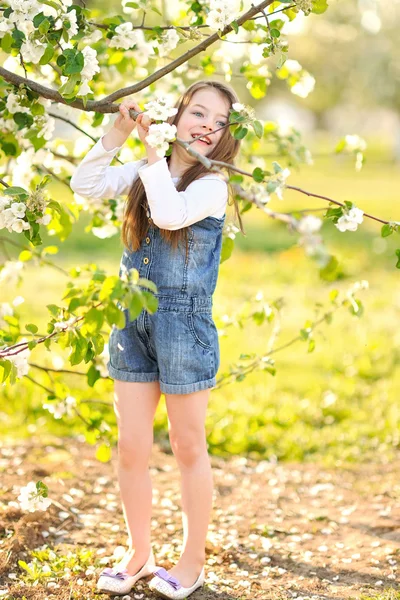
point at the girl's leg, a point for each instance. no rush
(135, 405)
(186, 423)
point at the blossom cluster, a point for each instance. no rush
(19, 103)
(222, 12)
(13, 215)
(90, 67)
(350, 219)
(22, 15)
(159, 137)
(159, 109)
(305, 5)
(31, 498)
(63, 408)
(301, 81)
(311, 240)
(245, 111)
(11, 271)
(19, 360)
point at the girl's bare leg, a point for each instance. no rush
(135, 405)
(186, 419)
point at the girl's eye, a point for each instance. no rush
(197, 112)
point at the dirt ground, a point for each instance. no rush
(278, 530)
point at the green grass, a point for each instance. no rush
(285, 416)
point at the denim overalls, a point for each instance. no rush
(177, 345)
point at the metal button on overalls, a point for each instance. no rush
(148, 240)
(145, 260)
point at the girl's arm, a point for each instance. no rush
(94, 176)
(170, 209)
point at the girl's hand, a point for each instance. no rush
(124, 124)
(143, 123)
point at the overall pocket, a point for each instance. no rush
(201, 326)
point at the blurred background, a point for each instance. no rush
(338, 403)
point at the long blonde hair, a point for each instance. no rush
(135, 223)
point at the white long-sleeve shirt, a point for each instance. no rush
(170, 209)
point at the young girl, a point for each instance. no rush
(172, 232)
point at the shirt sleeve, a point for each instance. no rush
(171, 209)
(95, 178)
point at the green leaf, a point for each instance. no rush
(79, 351)
(275, 33)
(93, 375)
(32, 328)
(258, 128)
(150, 301)
(258, 174)
(53, 309)
(240, 132)
(227, 248)
(114, 315)
(320, 6)
(7, 42)
(398, 257)
(94, 320)
(235, 26)
(47, 55)
(15, 191)
(6, 366)
(135, 305)
(386, 230)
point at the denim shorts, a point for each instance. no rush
(177, 345)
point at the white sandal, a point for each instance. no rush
(119, 583)
(167, 586)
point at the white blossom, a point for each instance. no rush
(46, 126)
(72, 18)
(90, 67)
(24, 10)
(32, 51)
(20, 361)
(61, 409)
(309, 224)
(159, 136)
(355, 143)
(13, 104)
(221, 13)
(45, 220)
(350, 220)
(126, 37)
(18, 209)
(159, 109)
(10, 273)
(11, 222)
(230, 230)
(105, 231)
(19, 225)
(64, 325)
(4, 201)
(168, 42)
(31, 500)
(304, 86)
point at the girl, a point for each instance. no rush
(174, 351)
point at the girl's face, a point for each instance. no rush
(207, 110)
